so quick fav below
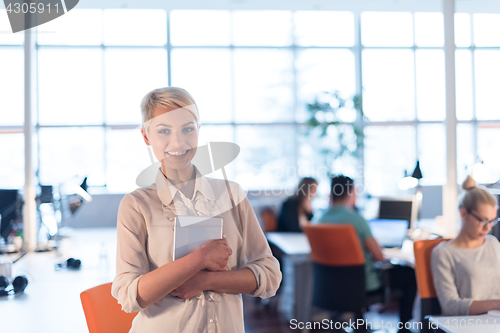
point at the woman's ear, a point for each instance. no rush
(145, 136)
(463, 213)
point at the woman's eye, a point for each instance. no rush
(164, 131)
(188, 129)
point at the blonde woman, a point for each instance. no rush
(200, 292)
(466, 270)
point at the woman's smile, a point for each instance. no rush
(177, 153)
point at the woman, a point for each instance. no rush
(466, 270)
(201, 291)
(296, 210)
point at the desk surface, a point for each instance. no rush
(296, 243)
(292, 243)
(51, 301)
(467, 324)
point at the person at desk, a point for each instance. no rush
(341, 210)
(199, 292)
(466, 270)
(296, 210)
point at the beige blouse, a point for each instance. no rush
(145, 242)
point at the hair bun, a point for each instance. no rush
(469, 183)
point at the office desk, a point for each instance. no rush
(295, 300)
(51, 301)
(401, 256)
(467, 324)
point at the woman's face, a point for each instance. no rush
(312, 190)
(474, 223)
(173, 135)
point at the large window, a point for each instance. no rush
(252, 85)
(91, 82)
(11, 107)
(404, 96)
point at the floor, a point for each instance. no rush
(261, 318)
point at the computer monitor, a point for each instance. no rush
(389, 233)
(398, 209)
(10, 210)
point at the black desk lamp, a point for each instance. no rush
(417, 173)
(412, 181)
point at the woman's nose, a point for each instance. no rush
(175, 139)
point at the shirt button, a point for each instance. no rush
(211, 320)
(210, 299)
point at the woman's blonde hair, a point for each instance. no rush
(167, 97)
(474, 195)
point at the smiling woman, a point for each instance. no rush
(201, 291)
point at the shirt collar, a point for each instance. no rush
(167, 191)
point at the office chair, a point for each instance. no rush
(338, 269)
(103, 313)
(425, 284)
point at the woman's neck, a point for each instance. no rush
(179, 176)
(464, 240)
(306, 206)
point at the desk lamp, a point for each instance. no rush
(417, 174)
(412, 181)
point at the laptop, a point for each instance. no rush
(389, 233)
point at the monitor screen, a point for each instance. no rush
(389, 233)
(396, 210)
(10, 206)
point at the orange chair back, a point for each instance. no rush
(334, 244)
(422, 250)
(103, 313)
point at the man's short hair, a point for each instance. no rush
(341, 187)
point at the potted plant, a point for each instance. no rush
(331, 116)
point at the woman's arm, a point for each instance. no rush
(240, 281)
(478, 307)
(156, 284)
(255, 254)
(233, 282)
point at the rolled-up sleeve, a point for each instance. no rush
(446, 288)
(131, 258)
(256, 253)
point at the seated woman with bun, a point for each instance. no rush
(466, 270)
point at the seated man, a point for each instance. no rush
(341, 210)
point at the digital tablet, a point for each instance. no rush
(191, 232)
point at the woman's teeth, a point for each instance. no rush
(177, 153)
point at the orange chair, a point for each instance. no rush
(425, 284)
(103, 313)
(338, 269)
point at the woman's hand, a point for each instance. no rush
(216, 254)
(192, 287)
